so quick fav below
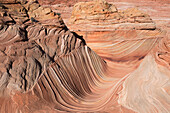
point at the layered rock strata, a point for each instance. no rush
(31, 39)
(72, 2)
(105, 38)
(122, 46)
(44, 67)
(99, 13)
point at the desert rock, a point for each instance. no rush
(99, 12)
(45, 67)
(27, 47)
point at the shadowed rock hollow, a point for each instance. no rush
(44, 67)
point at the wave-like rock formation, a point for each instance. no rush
(129, 51)
(44, 67)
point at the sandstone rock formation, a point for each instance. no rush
(72, 2)
(28, 47)
(136, 26)
(124, 47)
(44, 67)
(99, 12)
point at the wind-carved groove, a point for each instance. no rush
(44, 67)
(34, 44)
(75, 83)
(11, 34)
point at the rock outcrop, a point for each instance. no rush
(72, 2)
(31, 39)
(44, 67)
(123, 47)
(101, 13)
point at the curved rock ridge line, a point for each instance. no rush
(11, 34)
(45, 67)
(123, 45)
(27, 48)
(70, 89)
(96, 86)
(149, 88)
(162, 52)
(44, 45)
(55, 41)
(120, 47)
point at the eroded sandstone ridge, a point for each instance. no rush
(101, 13)
(123, 39)
(44, 67)
(72, 2)
(31, 38)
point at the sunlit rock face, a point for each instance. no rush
(72, 2)
(124, 40)
(101, 13)
(44, 67)
(137, 53)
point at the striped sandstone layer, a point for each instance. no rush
(44, 67)
(127, 48)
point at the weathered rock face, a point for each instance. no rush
(31, 38)
(72, 2)
(135, 26)
(21, 13)
(101, 13)
(44, 67)
(7, 1)
(123, 47)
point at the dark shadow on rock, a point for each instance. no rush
(80, 37)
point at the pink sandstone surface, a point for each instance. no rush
(45, 67)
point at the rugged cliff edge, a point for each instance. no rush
(44, 67)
